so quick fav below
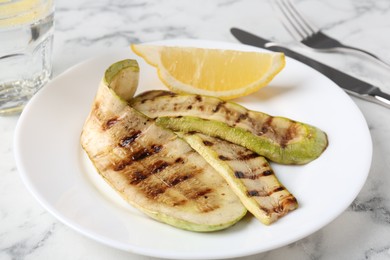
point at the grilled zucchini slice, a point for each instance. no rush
(249, 175)
(279, 139)
(150, 167)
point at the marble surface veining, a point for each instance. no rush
(86, 28)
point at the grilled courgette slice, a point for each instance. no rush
(151, 167)
(279, 139)
(249, 175)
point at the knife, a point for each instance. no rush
(350, 84)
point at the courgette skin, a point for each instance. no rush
(151, 167)
(279, 139)
(249, 175)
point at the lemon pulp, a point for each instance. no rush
(223, 73)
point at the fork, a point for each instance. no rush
(309, 35)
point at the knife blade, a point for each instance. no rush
(349, 83)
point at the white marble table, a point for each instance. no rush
(87, 28)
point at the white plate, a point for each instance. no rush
(53, 167)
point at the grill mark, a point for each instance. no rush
(266, 211)
(152, 191)
(141, 154)
(179, 203)
(244, 157)
(218, 106)
(128, 140)
(241, 117)
(149, 120)
(190, 193)
(147, 96)
(121, 165)
(207, 208)
(203, 192)
(178, 179)
(239, 174)
(242, 175)
(159, 166)
(266, 125)
(267, 173)
(193, 194)
(208, 143)
(137, 177)
(253, 193)
(290, 134)
(146, 152)
(136, 156)
(281, 188)
(179, 160)
(163, 94)
(171, 181)
(223, 158)
(189, 107)
(110, 123)
(156, 148)
(199, 193)
(198, 98)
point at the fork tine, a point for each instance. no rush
(299, 18)
(288, 22)
(293, 22)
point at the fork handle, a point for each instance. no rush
(322, 41)
(381, 61)
(342, 46)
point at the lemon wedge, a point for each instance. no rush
(226, 74)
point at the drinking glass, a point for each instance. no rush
(26, 40)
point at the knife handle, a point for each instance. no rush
(381, 98)
(348, 83)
